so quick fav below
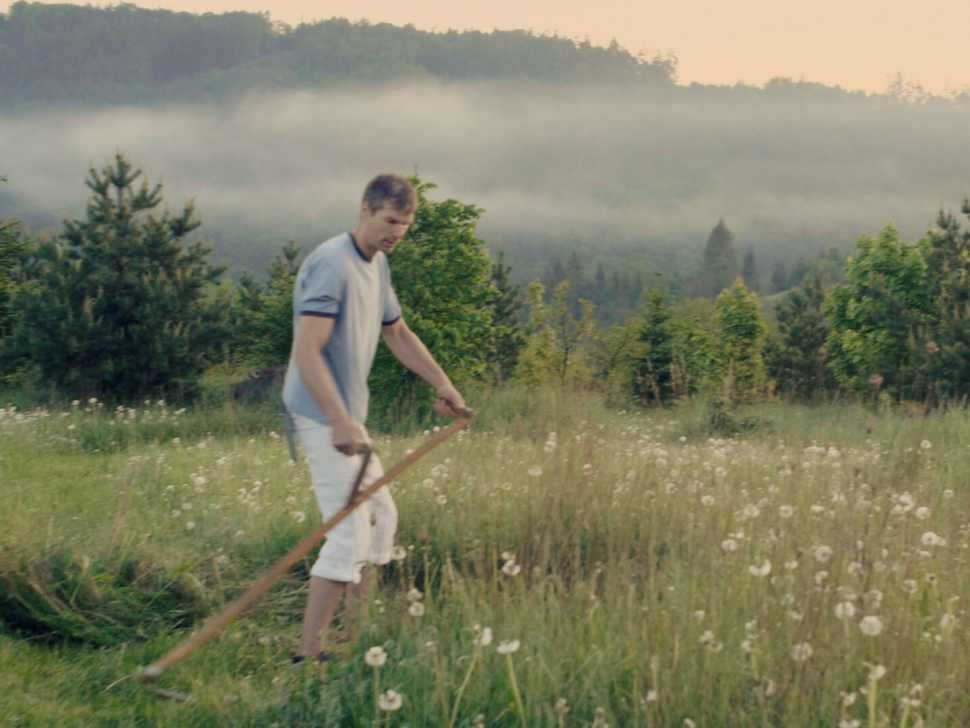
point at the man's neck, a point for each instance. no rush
(366, 252)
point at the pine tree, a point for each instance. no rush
(719, 264)
(268, 330)
(507, 335)
(779, 278)
(749, 271)
(796, 358)
(741, 334)
(798, 273)
(116, 307)
(651, 364)
(12, 249)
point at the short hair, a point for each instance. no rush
(392, 188)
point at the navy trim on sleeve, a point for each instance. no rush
(391, 322)
(317, 313)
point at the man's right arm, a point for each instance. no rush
(312, 334)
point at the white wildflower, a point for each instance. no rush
(299, 516)
(876, 672)
(399, 553)
(728, 545)
(762, 570)
(751, 511)
(922, 513)
(822, 554)
(535, 471)
(414, 595)
(786, 511)
(870, 626)
(485, 638)
(416, 609)
(375, 656)
(390, 701)
(507, 647)
(844, 610)
(801, 652)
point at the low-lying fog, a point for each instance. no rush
(601, 168)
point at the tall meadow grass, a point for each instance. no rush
(634, 569)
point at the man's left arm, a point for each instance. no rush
(413, 354)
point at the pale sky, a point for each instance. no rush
(857, 44)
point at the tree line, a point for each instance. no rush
(72, 52)
(120, 305)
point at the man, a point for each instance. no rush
(342, 302)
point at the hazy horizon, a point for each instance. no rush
(594, 169)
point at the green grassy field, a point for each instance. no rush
(652, 572)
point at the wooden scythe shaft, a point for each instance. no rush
(219, 622)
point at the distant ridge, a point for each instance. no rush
(126, 53)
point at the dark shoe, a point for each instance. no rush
(320, 659)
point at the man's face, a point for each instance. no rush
(385, 227)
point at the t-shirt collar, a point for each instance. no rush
(359, 251)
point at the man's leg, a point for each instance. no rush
(357, 596)
(325, 596)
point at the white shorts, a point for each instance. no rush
(367, 535)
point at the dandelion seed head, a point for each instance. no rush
(786, 511)
(390, 701)
(876, 672)
(762, 570)
(535, 471)
(507, 647)
(844, 610)
(801, 652)
(870, 626)
(416, 609)
(375, 656)
(922, 513)
(399, 553)
(728, 545)
(484, 639)
(414, 595)
(822, 554)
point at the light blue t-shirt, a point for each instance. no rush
(338, 282)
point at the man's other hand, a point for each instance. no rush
(449, 402)
(349, 437)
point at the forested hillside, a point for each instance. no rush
(70, 52)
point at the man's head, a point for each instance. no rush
(386, 213)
